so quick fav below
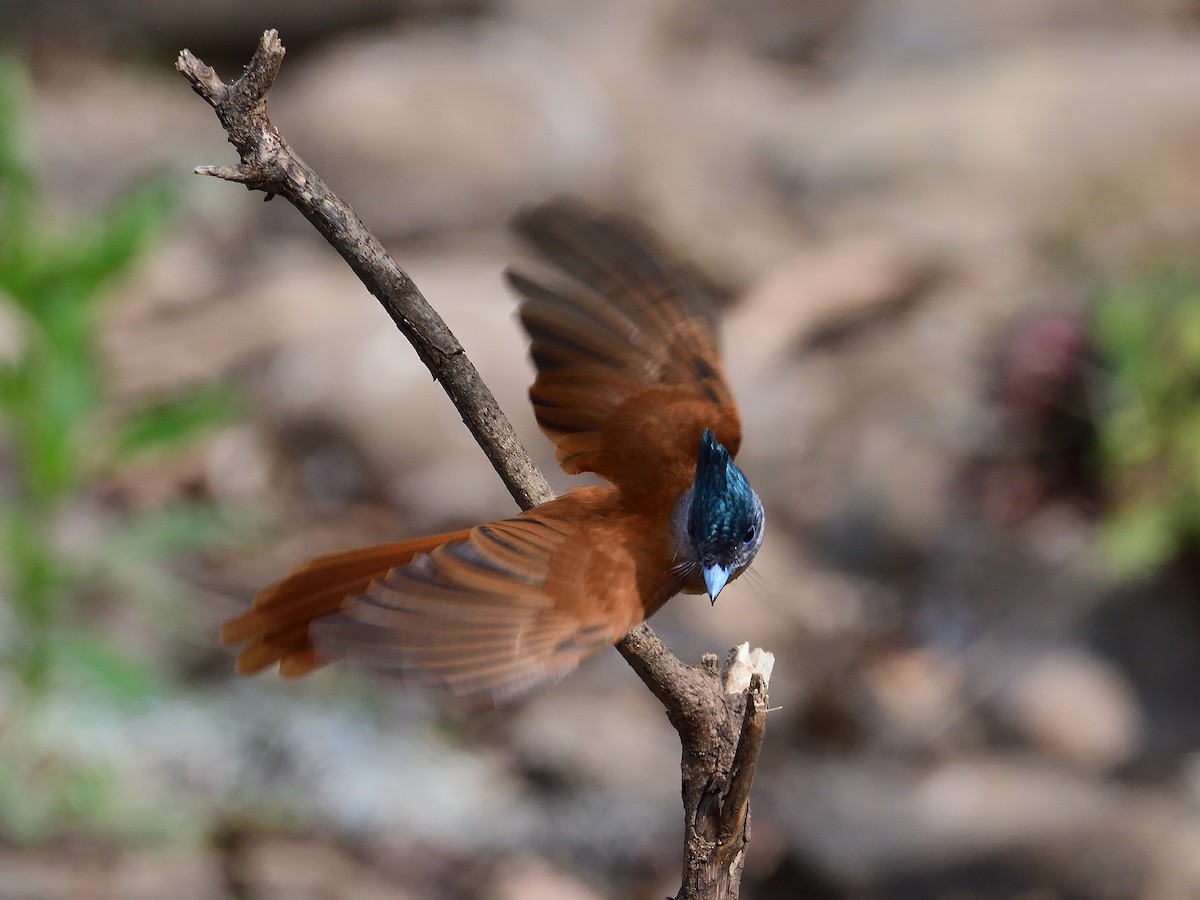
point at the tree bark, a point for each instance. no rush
(720, 715)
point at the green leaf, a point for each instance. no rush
(1136, 540)
(1147, 332)
(51, 405)
(171, 424)
(57, 278)
(94, 253)
(18, 186)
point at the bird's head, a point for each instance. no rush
(724, 518)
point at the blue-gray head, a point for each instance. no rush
(723, 517)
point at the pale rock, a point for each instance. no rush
(121, 873)
(603, 729)
(821, 289)
(104, 130)
(357, 374)
(1020, 124)
(522, 878)
(238, 466)
(1075, 707)
(156, 347)
(437, 129)
(918, 690)
(283, 868)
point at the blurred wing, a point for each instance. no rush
(625, 348)
(491, 613)
(492, 616)
(277, 627)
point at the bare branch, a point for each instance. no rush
(735, 810)
(720, 721)
(686, 691)
(268, 164)
(226, 173)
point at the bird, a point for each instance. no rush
(629, 386)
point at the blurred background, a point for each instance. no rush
(957, 244)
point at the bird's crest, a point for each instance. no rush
(719, 487)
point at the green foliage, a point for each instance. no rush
(166, 426)
(1148, 335)
(56, 437)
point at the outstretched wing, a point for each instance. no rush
(484, 614)
(277, 628)
(625, 348)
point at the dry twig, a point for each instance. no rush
(720, 719)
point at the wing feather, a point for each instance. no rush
(628, 377)
(277, 625)
(490, 616)
(484, 614)
(625, 348)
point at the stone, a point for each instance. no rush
(1075, 707)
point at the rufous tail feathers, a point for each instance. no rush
(278, 626)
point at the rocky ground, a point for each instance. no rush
(903, 203)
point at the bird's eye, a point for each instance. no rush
(748, 537)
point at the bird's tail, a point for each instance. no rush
(278, 625)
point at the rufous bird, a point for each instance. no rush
(629, 386)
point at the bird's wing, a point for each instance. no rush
(277, 626)
(485, 614)
(625, 348)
